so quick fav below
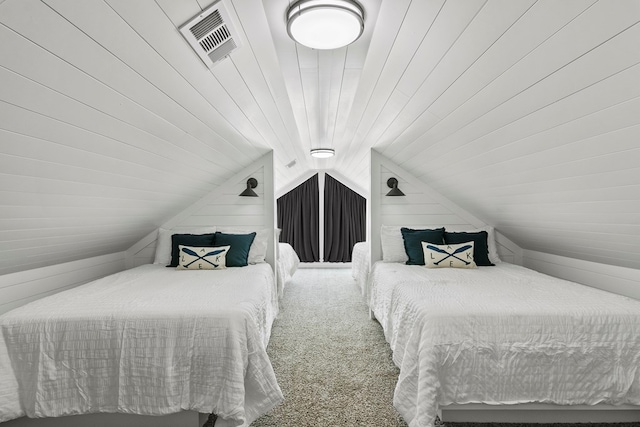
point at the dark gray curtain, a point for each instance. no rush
(298, 213)
(345, 215)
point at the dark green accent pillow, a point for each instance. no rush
(198, 240)
(240, 245)
(413, 242)
(480, 244)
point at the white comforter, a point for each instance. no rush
(150, 340)
(288, 262)
(504, 334)
(360, 260)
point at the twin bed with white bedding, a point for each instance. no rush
(150, 340)
(360, 266)
(288, 262)
(502, 335)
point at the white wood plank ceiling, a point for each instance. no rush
(526, 113)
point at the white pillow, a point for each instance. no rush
(458, 255)
(392, 244)
(202, 258)
(258, 250)
(163, 241)
(491, 239)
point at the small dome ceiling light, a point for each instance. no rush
(322, 153)
(325, 24)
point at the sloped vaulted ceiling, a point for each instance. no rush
(525, 112)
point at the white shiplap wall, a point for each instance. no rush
(223, 208)
(425, 207)
(620, 280)
(19, 288)
(524, 112)
(421, 206)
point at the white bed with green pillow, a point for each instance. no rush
(360, 266)
(287, 262)
(501, 335)
(151, 340)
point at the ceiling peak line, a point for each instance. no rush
(335, 119)
(290, 135)
(304, 99)
(350, 138)
(442, 57)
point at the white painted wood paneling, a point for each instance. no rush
(420, 207)
(116, 128)
(610, 278)
(17, 289)
(523, 112)
(224, 209)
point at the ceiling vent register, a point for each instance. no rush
(211, 34)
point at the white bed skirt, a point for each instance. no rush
(539, 413)
(185, 418)
(182, 419)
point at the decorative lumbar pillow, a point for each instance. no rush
(188, 240)
(202, 258)
(480, 247)
(413, 242)
(453, 256)
(240, 245)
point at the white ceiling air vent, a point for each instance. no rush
(211, 34)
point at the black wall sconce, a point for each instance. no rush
(392, 183)
(251, 184)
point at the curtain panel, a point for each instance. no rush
(298, 218)
(345, 213)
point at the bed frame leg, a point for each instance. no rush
(211, 421)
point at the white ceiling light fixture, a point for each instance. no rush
(322, 153)
(325, 24)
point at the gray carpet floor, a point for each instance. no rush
(332, 362)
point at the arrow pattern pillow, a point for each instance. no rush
(452, 256)
(202, 258)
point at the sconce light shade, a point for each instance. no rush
(251, 184)
(325, 24)
(392, 183)
(322, 153)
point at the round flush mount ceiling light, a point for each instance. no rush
(322, 153)
(325, 24)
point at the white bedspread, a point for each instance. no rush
(502, 335)
(152, 341)
(288, 263)
(360, 265)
